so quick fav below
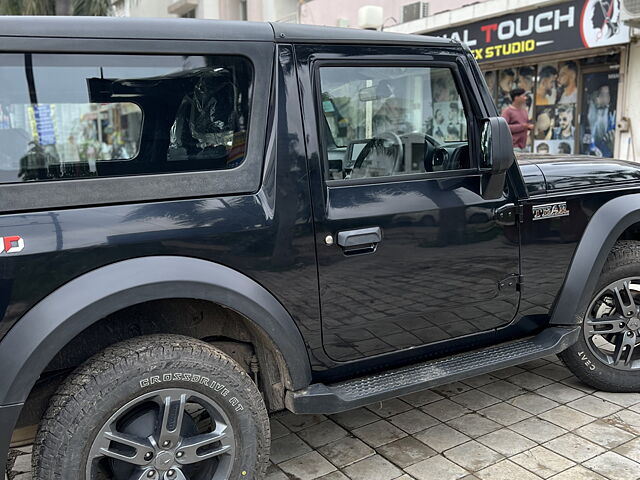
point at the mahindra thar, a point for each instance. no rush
(203, 222)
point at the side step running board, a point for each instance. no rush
(337, 397)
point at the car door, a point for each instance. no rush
(409, 252)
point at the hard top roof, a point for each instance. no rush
(192, 29)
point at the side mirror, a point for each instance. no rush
(496, 147)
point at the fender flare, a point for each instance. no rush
(604, 228)
(54, 321)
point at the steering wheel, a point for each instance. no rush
(383, 142)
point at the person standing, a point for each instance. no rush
(517, 117)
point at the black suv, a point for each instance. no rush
(203, 222)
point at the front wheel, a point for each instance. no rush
(162, 407)
(607, 353)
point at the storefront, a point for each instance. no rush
(570, 58)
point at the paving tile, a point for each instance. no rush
(622, 399)
(441, 437)
(346, 451)
(533, 364)
(277, 429)
(578, 473)
(575, 383)
(533, 403)
(389, 408)
(337, 475)
(560, 392)
(552, 371)
(574, 447)
(594, 406)
(307, 467)
(288, 447)
(604, 434)
(614, 466)
(630, 449)
(538, 430)
(529, 381)
(274, 473)
(480, 380)
(451, 389)
(413, 421)
(295, 422)
(506, 470)
(419, 399)
(322, 433)
(474, 425)
(473, 456)
(474, 400)
(508, 372)
(373, 468)
(504, 413)
(436, 468)
(506, 442)
(406, 452)
(566, 417)
(355, 418)
(444, 410)
(542, 462)
(22, 463)
(502, 389)
(626, 420)
(379, 433)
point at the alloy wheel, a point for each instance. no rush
(169, 434)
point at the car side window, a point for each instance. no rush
(381, 121)
(77, 116)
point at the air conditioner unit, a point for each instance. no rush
(630, 12)
(414, 11)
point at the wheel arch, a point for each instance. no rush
(606, 226)
(56, 320)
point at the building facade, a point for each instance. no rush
(577, 60)
(253, 10)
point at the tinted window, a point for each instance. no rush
(386, 121)
(75, 116)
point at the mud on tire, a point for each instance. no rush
(163, 407)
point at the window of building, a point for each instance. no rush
(572, 103)
(387, 121)
(76, 116)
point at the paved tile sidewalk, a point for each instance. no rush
(535, 421)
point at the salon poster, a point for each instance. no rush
(598, 119)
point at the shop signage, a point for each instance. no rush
(560, 27)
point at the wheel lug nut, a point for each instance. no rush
(151, 473)
(148, 456)
(621, 325)
(171, 473)
(179, 454)
(166, 444)
(630, 334)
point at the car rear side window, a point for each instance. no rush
(77, 116)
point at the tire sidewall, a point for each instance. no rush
(583, 362)
(226, 387)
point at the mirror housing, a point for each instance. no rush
(496, 147)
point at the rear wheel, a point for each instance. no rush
(607, 353)
(162, 407)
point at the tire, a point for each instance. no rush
(584, 359)
(206, 418)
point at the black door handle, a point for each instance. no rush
(362, 240)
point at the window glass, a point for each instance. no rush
(385, 121)
(75, 116)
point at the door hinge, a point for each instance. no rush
(509, 214)
(512, 283)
